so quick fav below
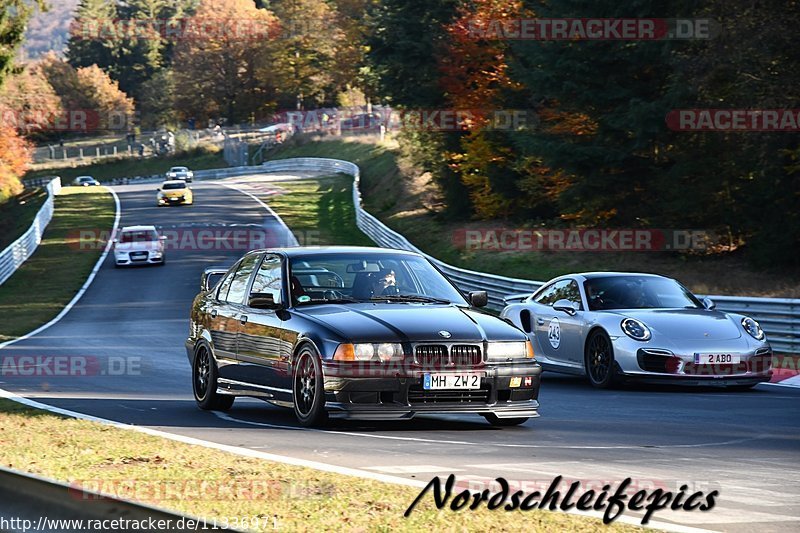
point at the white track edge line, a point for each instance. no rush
(86, 284)
(315, 465)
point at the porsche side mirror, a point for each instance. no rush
(262, 300)
(565, 306)
(709, 304)
(478, 298)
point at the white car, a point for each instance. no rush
(85, 181)
(139, 245)
(180, 173)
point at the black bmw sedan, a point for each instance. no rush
(346, 332)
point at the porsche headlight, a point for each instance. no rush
(500, 351)
(635, 329)
(753, 328)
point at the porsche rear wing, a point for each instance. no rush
(516, 298)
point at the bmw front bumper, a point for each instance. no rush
(506, 391)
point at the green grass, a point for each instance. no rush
(17, 214)
(200, 158)
(145, 467)
(49, 279)
(320, 211)
(378, 162)
(403, 200)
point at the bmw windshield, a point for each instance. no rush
(638, 292)
(351, 278)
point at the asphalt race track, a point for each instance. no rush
(133, 322)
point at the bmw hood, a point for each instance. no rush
(382, 322)
(688, 324)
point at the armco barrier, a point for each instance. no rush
(32, 503)
(780, 318)
(21, 249)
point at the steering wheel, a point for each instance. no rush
(331, 294)
(390, 290)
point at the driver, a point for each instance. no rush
(383, 283)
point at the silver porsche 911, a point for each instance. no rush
(617, 327)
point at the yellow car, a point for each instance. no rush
(174, 192)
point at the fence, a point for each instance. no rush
(21, 249)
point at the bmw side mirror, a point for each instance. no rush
(262, 300)
(206, 281)
(709, 304)
(478, 298)
(565, 306)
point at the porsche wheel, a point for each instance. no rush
(307, 389)
(599, 360)
(204, 383)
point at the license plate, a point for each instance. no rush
(451, 381)
(716, 359)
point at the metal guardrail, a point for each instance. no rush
(29, 503)
(20, 250)
(779, 317)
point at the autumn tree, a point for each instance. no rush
(90, 90)
(308, 52)
(30, 104)
(102, 34)
(14, 151)
(405, 42)
(216, 70)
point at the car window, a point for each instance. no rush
(560, 290)
(361, 276)
(138, 236)
(224, 285)
(638, 292)
(170, 186)
(269, 277)
(238, 286)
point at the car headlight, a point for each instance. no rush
(384, 352)
(509, 350)
(753, 328)
(635, 329)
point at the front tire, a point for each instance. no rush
(494, 420)
(308, 394)
(599, 360)
(204, 383)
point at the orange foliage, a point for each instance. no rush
(474, 71)
(15, 155)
